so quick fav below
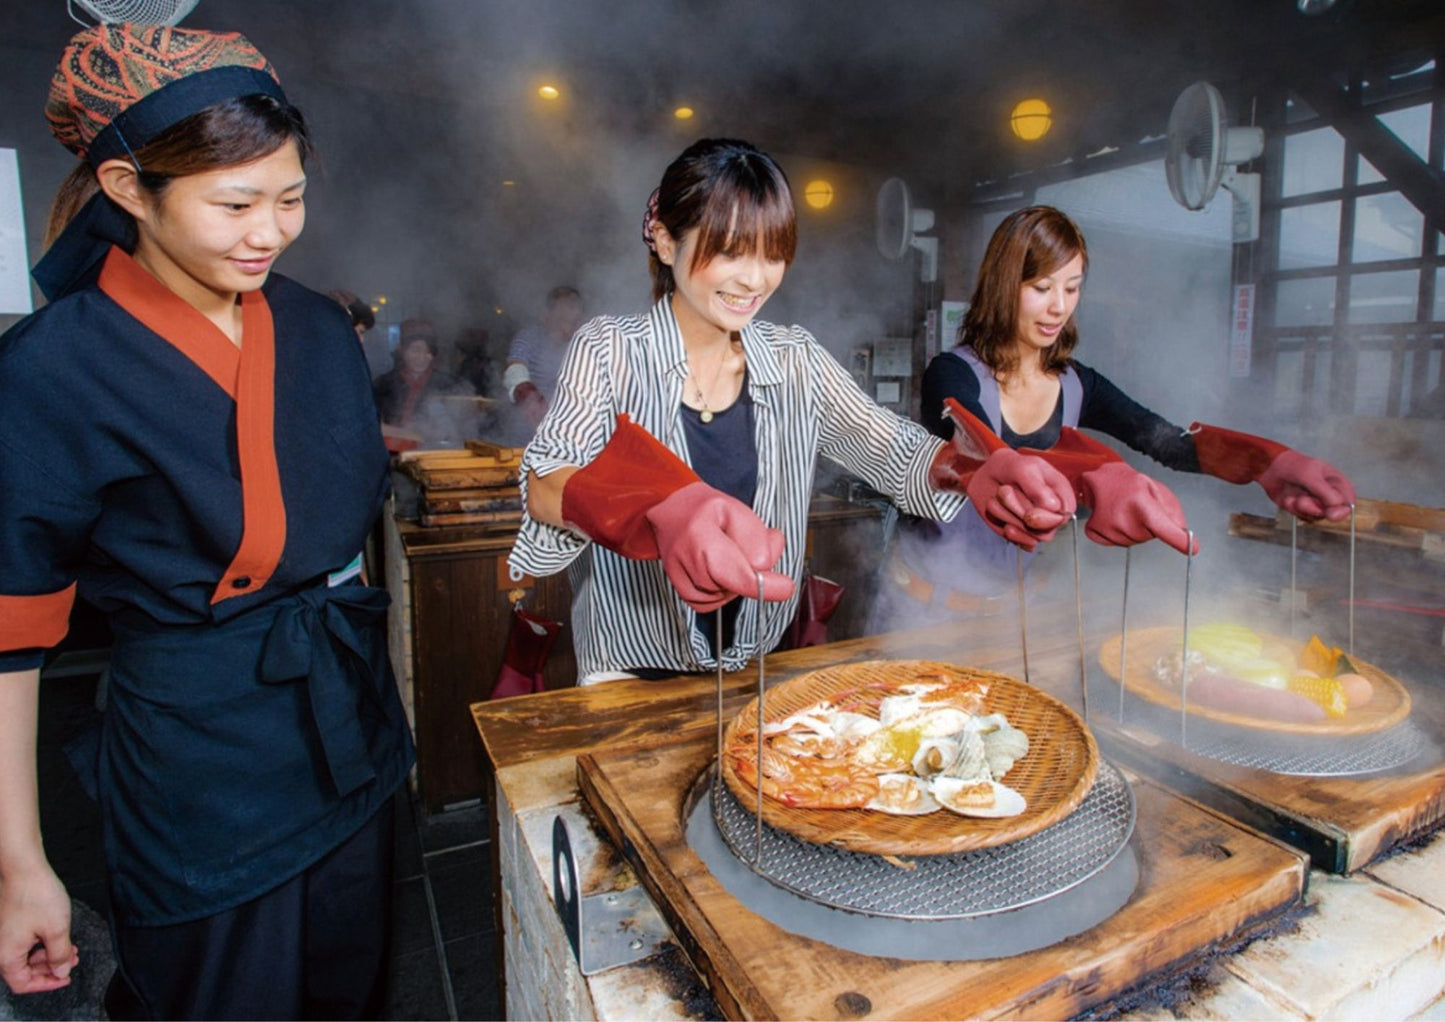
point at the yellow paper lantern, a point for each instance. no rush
(1031, 120)
(818, 194)
(549, 92)
(683, 113)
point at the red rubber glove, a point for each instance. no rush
(1127, 506)
(1305, 487)
(640, 500)
(1023, 499)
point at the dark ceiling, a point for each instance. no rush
(425, 109)
(925, 84)
(922, 84)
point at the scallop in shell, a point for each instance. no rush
(902, 795)
(982, 798)
(971, 763)
(934, 755)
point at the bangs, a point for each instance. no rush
(1051, 249)
(747, 212)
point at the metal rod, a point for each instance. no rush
(758, 847)
(1293, 562)
(1184, 658)
(1079, 616)
(1123, 633)
(1023, 615)
(717, 653)
(1352, 580)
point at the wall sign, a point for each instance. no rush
(1241, 331)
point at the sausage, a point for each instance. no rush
(1222, 692)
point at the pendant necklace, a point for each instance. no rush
(705, 414)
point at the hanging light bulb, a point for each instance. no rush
(1031, 120)
(818, 193)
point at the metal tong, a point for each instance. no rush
(1293, 576)
(1078, 615)
(762, 685)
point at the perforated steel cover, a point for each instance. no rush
(979, 883)
(1309, 757)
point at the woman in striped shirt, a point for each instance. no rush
(674, 469)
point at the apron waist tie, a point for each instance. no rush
(320, 637)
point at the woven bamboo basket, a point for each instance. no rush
(1388, 707)
(1053, 777)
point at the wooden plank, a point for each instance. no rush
(1203, 880)
(465, 477)
(499, 519)
(487, 498)
(498, 452)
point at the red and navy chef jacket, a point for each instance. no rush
(200, 495)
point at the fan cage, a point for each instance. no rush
(141, 12)
(1195, 162)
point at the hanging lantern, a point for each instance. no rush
(1031, 120)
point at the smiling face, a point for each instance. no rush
(1046, 304)
(216, 233)
(723, 294)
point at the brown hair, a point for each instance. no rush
(224, 134)
(1030, 243)
(735, 195)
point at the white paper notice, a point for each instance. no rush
(14, 266)
(1241, 332)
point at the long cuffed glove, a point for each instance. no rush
(639, 499)
(1023, 499)
(1127, 507)
(1305, 487)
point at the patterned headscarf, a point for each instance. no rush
(114, 89)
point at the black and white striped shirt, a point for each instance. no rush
(625, 613)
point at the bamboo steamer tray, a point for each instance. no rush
(1389, 706)
(1053, 777)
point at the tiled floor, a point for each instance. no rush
(443, 946)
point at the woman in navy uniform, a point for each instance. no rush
(188, 441)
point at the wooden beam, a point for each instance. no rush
(1420, 183)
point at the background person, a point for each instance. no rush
(411, 397)
(673, 471)
(1014, 369)
(208, 485)
(535, 357)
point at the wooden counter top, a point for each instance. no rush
(1372, 945)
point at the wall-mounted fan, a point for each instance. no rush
(900, 225)
(1203, 152)
(142, 12)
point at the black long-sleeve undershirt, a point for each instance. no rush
(1104, 408)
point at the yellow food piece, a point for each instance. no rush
(1328, 692)
(1260, 671)
(1226, 645)
(1320, 658)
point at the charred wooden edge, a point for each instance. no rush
(1191, 976)
(740, 1000)
(1327, 847)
